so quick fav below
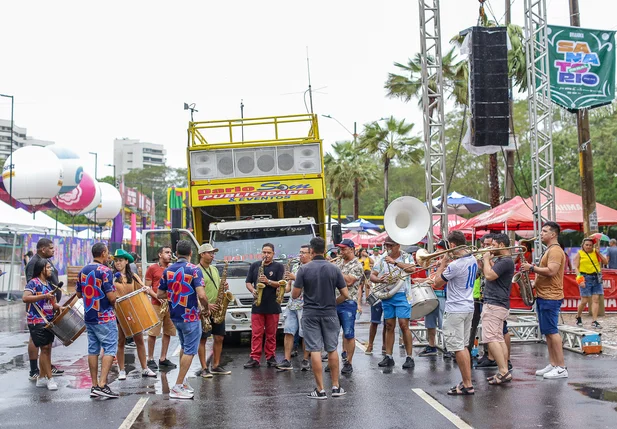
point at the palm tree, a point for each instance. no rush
(337, 177)
(349, 169)
(391, 143)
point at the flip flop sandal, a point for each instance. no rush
(462, 391)
(455, 388)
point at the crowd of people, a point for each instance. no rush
(327, 292)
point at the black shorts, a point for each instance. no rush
(217, 329)
(41, 336)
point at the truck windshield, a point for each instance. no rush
(245, 244)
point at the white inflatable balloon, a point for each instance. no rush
(96, 201)
(72, 167)
(111, 203)
(37, 175)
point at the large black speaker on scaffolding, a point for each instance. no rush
(488, 74)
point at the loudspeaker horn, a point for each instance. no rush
(407, 220)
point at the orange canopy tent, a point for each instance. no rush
(517, 214)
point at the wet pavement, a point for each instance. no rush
(263, 397)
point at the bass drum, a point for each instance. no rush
(424, 300)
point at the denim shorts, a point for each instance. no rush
(189, 334)
(293, 322)
(396, 307)
(592, 286)
(435, 318)
(377, 313)
(103, 336)
(346, 312)
(548, 315)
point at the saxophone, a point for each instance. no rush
(206, 325)
(522, 279)
(280, 292)
(260, 286)
(222, 299)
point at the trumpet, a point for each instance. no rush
(423, 257)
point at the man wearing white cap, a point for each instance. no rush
(212, 282)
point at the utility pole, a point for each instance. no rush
(356, 185)
(585, 155)
(509, 187)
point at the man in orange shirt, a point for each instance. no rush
(153, 278)
(549, 291)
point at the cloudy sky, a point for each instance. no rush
(83, 75)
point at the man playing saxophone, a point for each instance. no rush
(265, 316)
(212, 283)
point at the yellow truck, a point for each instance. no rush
(251, 181)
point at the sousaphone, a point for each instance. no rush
(407, 220)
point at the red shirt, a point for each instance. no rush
(154, 274)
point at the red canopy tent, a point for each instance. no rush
(364, 239)
(517, 214)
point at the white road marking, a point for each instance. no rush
(137, 409)
(177, 351)
(360, 345)
(453, 418)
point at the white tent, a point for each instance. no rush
(126, 234)
(86, 233)
(17, 220)
(45, 221)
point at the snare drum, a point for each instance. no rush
(424, 300)
(135, 313)
(69, 324)
(372, 300)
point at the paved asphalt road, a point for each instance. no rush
(266, 398)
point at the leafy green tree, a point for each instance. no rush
(391, 143)
(337, 168)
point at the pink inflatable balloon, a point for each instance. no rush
(79, 198)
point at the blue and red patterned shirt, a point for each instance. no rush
(33, 317)
(180, 280)
(95, 281)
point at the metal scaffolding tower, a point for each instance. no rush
(433, 112)
(540, 116)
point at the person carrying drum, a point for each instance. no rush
(95, 286)
(40, 298)
(126, 283)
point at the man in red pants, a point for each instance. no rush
(265, 316)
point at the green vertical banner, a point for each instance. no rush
(582, 67)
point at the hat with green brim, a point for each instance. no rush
(120, 253)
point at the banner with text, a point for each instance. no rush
(582, 67)
(257, 192)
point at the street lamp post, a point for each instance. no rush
(11, 154)
(96, 166)
(114, 167)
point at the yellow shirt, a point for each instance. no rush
(366, 263)
(585, 265)
(211, 281)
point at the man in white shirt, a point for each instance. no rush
(460, 274)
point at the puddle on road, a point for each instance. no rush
(609, 395)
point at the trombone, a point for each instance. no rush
(522, 249)
(423, 257)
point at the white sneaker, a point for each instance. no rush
(122, 375)
(557, 372)
(186, 386)
(41, 382)
(147, 372)
(178, 392)
(544, 370)
(52, 385)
